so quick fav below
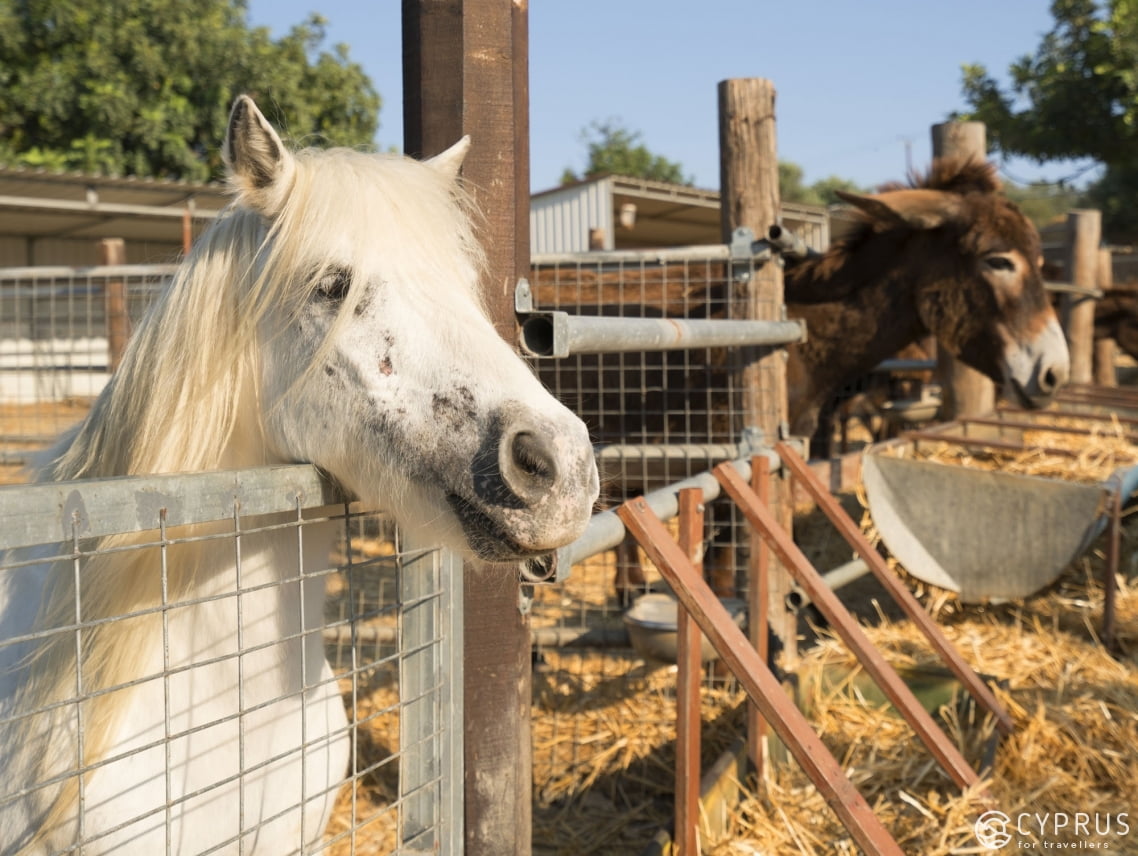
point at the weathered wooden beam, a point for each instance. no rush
(897, 589)
(847, 628)
(465, 71)
(967, 392)
(757, 680)
(749, 197)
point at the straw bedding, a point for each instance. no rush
(608, 751)
(1075, 748)
(604, 730)
(1099, 454)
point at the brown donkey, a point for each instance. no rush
(949, 256)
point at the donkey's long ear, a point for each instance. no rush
(450, 161)
(917, 209)
(260, 168)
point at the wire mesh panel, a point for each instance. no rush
(55, 353)
(656, 418)
(224, 663)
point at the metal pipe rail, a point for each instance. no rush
(54, 512)
(605, 531)
(696, 253)
(559, 334)
(87, 272)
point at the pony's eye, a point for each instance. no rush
(334, 284)
(1000, 263)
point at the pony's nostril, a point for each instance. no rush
(529, 466)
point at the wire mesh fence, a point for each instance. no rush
(222, 661)
(604, 714)
(56, 325)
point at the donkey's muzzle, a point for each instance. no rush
(1036, 370)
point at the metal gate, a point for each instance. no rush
(659, 413)
(392, 630)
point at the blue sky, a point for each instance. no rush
(859, 82)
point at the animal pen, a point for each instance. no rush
(673, 360)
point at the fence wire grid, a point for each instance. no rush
(391, 632)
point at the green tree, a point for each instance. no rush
(143, 87)
(1076, 97)
(1042, 203)
(792, 186)
(614, 150)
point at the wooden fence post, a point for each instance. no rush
(966, 391)
(465, 71)
(1106, 350)
(749, 196)
(112, 251)
(1084, 233)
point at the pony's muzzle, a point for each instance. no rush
(534, 485)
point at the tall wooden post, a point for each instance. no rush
(1106, 350)
(112, 251)
(1084, 233)
(749, 196)
(967, 392)
(465, 71)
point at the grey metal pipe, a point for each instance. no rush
(605, 531)
(788, 244)
(559, 334)
(662, 256)
(840, 576)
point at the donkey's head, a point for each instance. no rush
(378, 361)
(977, 263)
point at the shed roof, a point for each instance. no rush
(41, 204)
(666, 215)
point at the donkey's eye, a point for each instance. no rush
(1000, 263)
(334, 284)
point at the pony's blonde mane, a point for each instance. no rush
(173, 404)
(187, 394)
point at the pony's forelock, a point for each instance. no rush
(190, 374)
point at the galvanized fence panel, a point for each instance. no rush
(391, 631)
(657, 417)
(54, 350)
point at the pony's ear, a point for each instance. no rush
(260, 167)
(450, 161)
(917, 209)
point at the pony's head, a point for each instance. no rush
(983, 294)
(377, 360)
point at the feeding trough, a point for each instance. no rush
(1013, 503)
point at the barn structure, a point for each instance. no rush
(615, 212)
(51, 218)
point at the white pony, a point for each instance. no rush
(331, 316)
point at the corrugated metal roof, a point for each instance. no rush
(656, 214)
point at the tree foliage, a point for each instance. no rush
(792, 186)
(1076, 97)
(143, 87)
(614, 150)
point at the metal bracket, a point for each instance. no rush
(747, 253)
(523, 297)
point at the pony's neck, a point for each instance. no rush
(846, 337)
